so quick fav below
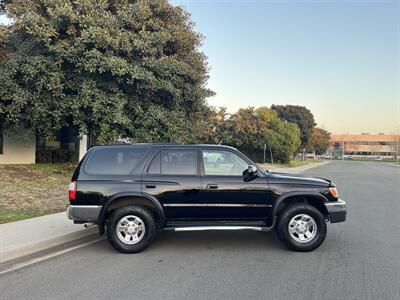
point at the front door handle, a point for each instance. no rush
(212, 186)
(150, 186)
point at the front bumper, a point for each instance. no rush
(83, 213)
(337, 211)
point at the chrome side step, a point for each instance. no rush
(201, 228)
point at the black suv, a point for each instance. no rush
(132, 191)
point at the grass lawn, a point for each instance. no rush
(28, 191)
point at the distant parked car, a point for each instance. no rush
(310, 155)
(326, 156)
(347, 157)
(378, 157)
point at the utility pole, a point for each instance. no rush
(265, 149)
(270, 152)
(343, 148)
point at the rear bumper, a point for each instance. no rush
(83, 213)
(337, 211)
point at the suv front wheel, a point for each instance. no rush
(301, 227)
(130, 229)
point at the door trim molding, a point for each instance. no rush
(214, 205)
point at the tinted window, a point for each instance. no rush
(114, 161)
(219, 162)
(178, 162)
(155, 165)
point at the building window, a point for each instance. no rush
(1, 139)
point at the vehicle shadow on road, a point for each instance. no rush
(212, 240)
(219, 239)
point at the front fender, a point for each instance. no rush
(285, 196)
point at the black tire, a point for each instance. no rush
(282, 227)
(149, 225)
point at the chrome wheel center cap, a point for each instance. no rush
(132, 229)
(301, 228)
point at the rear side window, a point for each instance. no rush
(178, 162)
(174, 162)
(155, 166)
(114, 161)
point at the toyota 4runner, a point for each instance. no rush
(133, 191)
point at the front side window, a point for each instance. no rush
(224, 163)
(178, 162)
(114, 160)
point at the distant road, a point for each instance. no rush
(360, 259)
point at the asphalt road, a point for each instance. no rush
(360, 259)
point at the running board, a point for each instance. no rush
(201, 228)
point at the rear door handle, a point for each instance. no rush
(212, 186)
(150, 186)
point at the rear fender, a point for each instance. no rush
(110, 200)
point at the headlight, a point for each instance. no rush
(334, 191)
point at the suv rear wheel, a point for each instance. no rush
(301, 227)
(130, 229)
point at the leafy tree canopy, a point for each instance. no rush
(214, 129)
(266, 114)
(284, 140)
(114, 68)
(319, 141)
(299, 115)
(3, 5)
(249, 129)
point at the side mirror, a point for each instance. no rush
(250, 173)
(252, 170)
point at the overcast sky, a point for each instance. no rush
(341, 59)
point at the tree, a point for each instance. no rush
(245, 130)
(319, 141)
(3, 5)
(266, 114)
(284, 140)
(249, 129)
(116, 68)
(214, 129)
(299, 115)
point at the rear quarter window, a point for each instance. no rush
(114, 161)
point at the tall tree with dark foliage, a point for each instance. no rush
(115, 68)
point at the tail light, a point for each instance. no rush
(72, 190)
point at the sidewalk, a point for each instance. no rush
(22, 238)
(296, 170)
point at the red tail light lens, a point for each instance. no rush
(72, 190)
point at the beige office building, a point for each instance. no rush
(365, 145)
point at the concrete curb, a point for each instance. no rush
(28, 237)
